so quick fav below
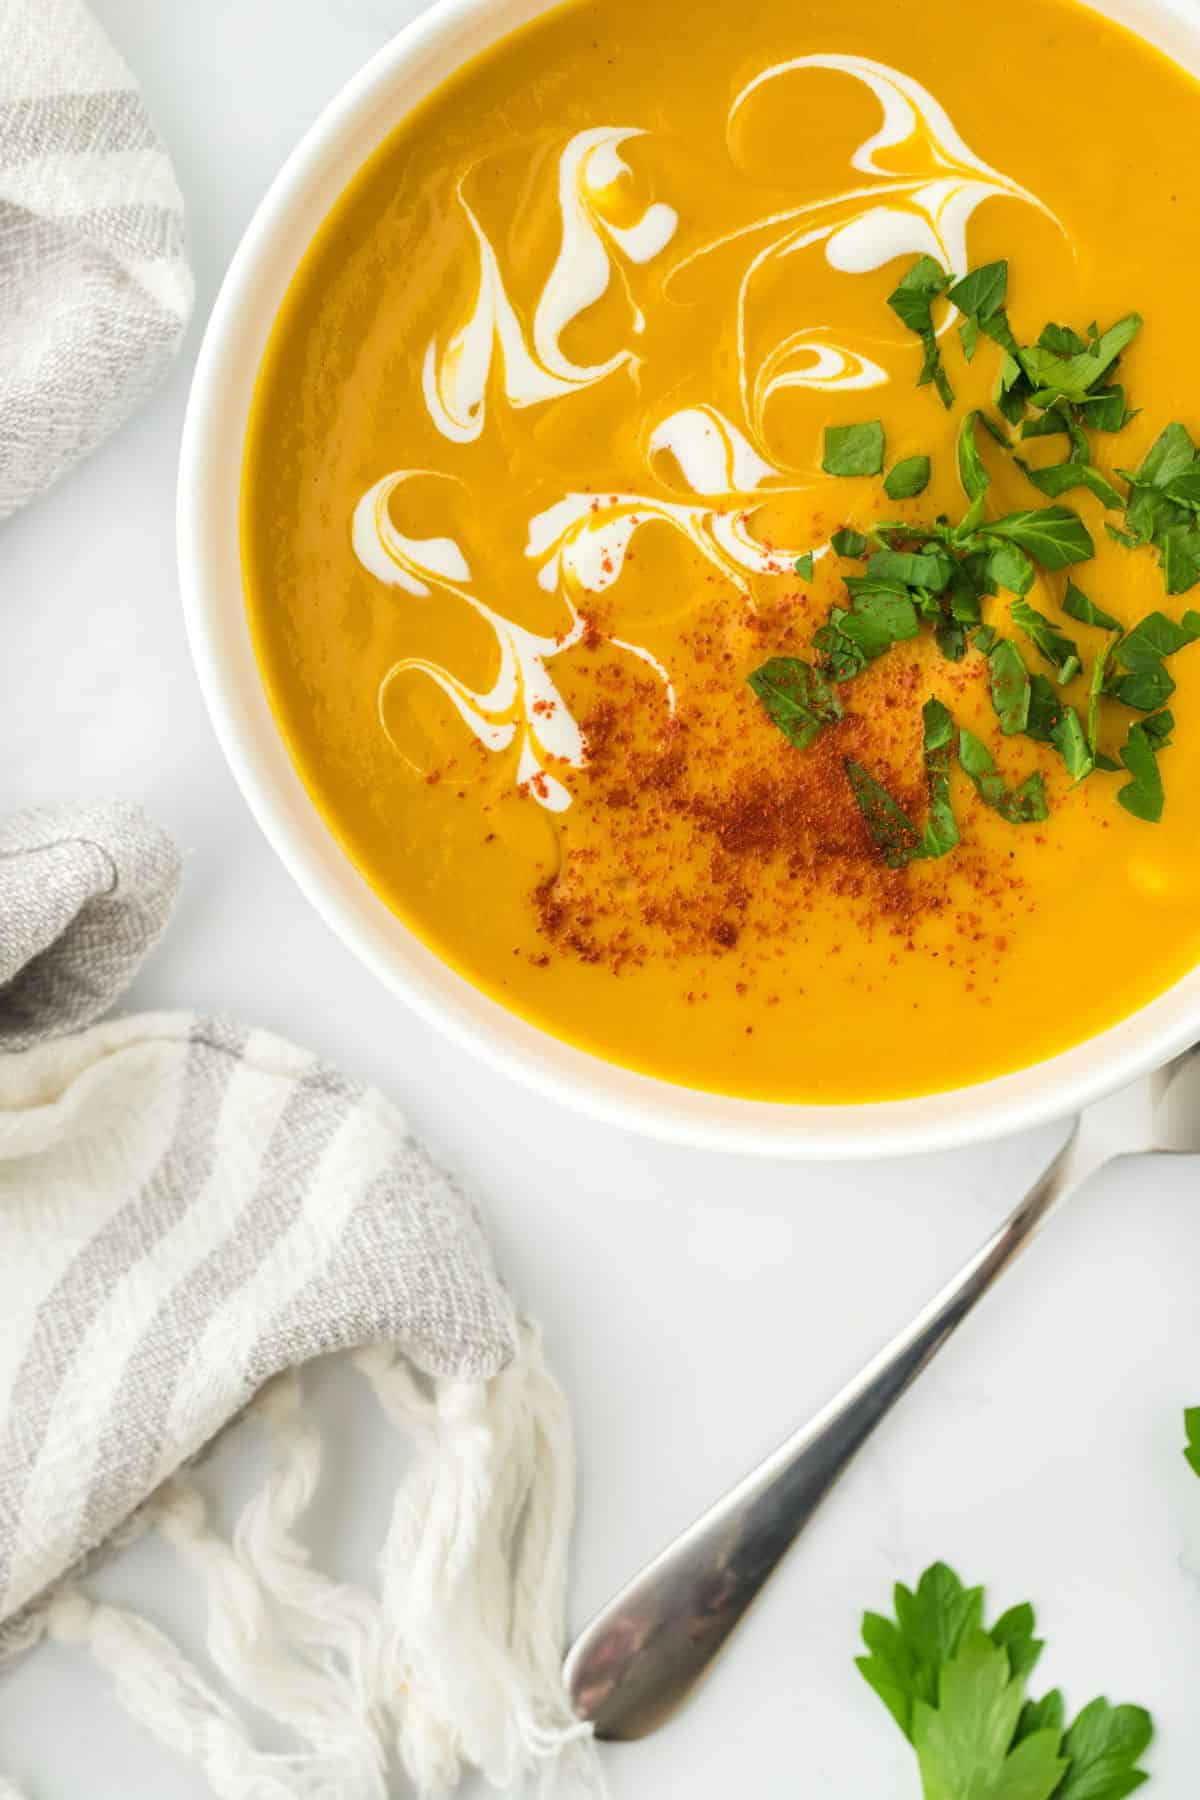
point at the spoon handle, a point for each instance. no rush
(640, 1657)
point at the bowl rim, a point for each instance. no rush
(421, 55)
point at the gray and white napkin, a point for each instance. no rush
(189, 1212)
(95, 288)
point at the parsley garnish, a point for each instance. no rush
(1073, 745)
(890, 827)
(1077, 606)
(797, 697)
(1191, 1421)
(1139, 678)
(941, 572)
(1010, 685)
(912, 303)
(1064, 366)
(881, 614)
(1054, 536)
(971, 472)
(1059, 651)
(1024, 804)
(1096, 689)
(957, 1690)
(941, 827)
(1164, 499)
(853, 449)
(893, 832)
(980, 297)
(1143, 794)
(908, 479)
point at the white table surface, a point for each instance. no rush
(697, 1306)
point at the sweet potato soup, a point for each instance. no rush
(719, 517)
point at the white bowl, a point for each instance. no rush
(423, 55)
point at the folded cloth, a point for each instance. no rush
(95, 288)
(189, 1209)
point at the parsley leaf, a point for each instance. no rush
(964, 1744)
(848, 543)
(929, 568)
(1077, 606)
(881, 614)
(1144, 690)
(1180, 545)
(1069, 739)
(796, 697)
(1103, 1746)
(804, 566)
(1046, 707)
(908, 479)
(980, 296)
(907, 1655)
(1060, 651)
(1060, 478)
(1191, 1422)
(1009, 567)
(853, 449)
(1023, 805)
(1063, 365)
(893, 832)
(972, 473)
(1054, 536)
(1139, 678)
(1168, 456)
(1143, 794)
(1096, 689)
(1010, 685)
(1104, 409)
(912, 303)
(941, 827)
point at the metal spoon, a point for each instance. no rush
(643, 1653)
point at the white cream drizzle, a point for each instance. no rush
(713, 456)
(583, 539)
(904, 212)
(455, 378)
(523, 705)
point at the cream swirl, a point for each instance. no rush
(904, 211)
(455, 377)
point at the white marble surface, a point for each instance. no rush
(697, 1306)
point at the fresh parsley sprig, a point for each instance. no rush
(957, 1690)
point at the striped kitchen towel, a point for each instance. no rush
(189, 1212)
(95, 288)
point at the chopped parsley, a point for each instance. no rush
(853, 449)
(907, 479)
(942, 572)
(894, 834)
(1024, 804)
(1011, 685)
(1076, 605)
(912, 303)
(1142, 795)
(1060, 651)
(797, 697)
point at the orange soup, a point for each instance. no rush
(718, 519)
